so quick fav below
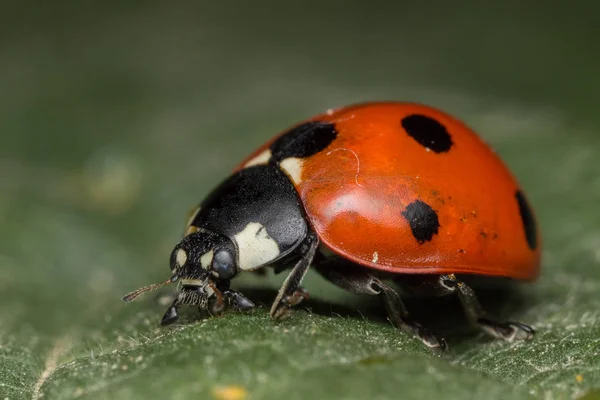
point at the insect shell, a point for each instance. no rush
(364, 194)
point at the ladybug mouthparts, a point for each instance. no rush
(193, 296)
(197, 292)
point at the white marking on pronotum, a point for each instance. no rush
(357, 162)
(206, 259)
(262, 158)
(255, 246)
(293, 167)
(181, 257)
(375, 258)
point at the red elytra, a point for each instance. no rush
(386, 156)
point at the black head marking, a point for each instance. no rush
(303, 141)
(423, 220)
(529, 224)
(427, 132)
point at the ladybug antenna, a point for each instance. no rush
(133, 295)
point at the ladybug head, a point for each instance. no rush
(202, 262)
(203, 256)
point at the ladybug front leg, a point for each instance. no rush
(237, 301)
(507, 330)
(171, 314)
(291, 293)
(359, 281)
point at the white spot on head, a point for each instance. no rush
(375, 257)
(206, 259)
(262, 158)
(255, 247)
(180, 257)
(293, 167)
(427, 149)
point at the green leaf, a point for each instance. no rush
(118, 119)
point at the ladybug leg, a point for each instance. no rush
(507, 330)
(233, 298)
(398, 315)
(171, 314)
(291, 293)
(237, 301)
(358, 281)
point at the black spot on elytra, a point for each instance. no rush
(427, 132)
(423, 220)
(303, 141)
(529, 224)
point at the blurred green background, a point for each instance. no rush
(116, 118)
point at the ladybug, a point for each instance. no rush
(364, 194)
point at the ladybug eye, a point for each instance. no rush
(223, 264)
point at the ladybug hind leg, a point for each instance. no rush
(360, 281)
(507, 330)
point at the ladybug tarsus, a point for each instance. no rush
(237, 301)
(170, 316)
(509, 331)
(399, 316)
(298, 296)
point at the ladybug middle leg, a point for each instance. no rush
(290, 292)
(507, 330)
(358, 280)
